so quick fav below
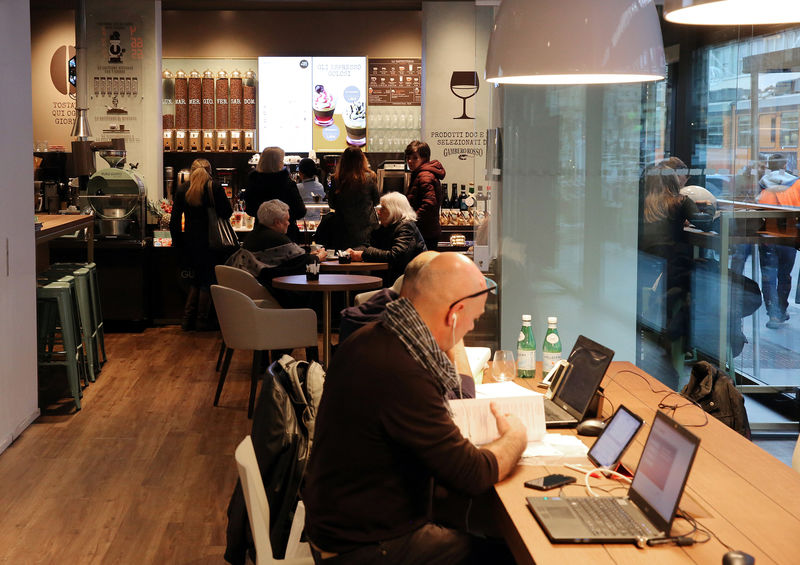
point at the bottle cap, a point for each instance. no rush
(526, 317)
(552, 320)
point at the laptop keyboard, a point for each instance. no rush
(604, 517)
(553, 413)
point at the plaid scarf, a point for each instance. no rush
(402, 320)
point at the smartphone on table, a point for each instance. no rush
(548, 482)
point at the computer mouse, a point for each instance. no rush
(737, 557)
(591, 427)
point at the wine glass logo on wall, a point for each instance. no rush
(464, 85)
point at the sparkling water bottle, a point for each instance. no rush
(526, 350)
(551, 347)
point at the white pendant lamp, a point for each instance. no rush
(575, 42)
(732, 12)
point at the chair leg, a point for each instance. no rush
(222, 350)
(255, 372)
(223, 374)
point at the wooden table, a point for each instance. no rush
(56, 225)
(327, 284)
(738, 491)
(353, 267)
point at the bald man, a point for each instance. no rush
(384, 429)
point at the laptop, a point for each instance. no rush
(649, 509)
(572, 394)
(618, 434)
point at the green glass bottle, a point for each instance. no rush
(526, 350)
(551, 347)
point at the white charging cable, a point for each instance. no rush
(589, 472)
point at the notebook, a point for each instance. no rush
(648, 510)
(587, 364)
(618, 434)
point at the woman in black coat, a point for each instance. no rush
(398, 239)
(271, 181)
(353, 197)
(192, 201)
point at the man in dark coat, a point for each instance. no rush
(425, 191)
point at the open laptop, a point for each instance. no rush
(618, 434)
(648, 510)
(587, 364)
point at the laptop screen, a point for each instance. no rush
(589, 361)
(616, 436)
(663, 469)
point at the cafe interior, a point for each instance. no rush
(556, 122)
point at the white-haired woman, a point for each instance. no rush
(397, 241)
(271, 181)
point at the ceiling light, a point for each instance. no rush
(575, 42)
(732, 12)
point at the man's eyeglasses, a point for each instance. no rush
(491, 288)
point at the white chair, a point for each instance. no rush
(246, 326)
(255, 498)
(247, 284)
(364, 296)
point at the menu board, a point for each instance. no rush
(314, 103)
(395, 82)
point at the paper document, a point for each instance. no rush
(477, 423)
(555, 448)
(503, 390)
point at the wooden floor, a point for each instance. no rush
(143, 473)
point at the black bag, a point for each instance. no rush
(220, 231)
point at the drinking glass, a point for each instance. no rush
(503, 366)
(464, 84)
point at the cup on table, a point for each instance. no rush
(344, 257)
(504, 368)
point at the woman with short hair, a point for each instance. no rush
(271, 181)
(397, 241)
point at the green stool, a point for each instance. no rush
(55, 308)
(86, 368)
(97, 313)
(85, 307)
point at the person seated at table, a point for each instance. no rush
(267, 252)
(397, 241)
(311, 190)
(384, 430)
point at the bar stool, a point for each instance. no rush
(55, 309)
(80, 308)
(97, 313)
(85, 312)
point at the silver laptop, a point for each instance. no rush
(649, 509)
(587, 364)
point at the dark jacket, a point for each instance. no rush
(396, 244)
(715, 392)
(355, 217)
(270, 186)
(425, 197)
(192, 241)
(382, 433)
(283, 427)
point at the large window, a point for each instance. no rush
(789, 127)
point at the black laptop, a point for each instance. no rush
(618, 434)
(572, 394)
(648, 510)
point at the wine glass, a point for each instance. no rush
(464, 84)
(503, 366)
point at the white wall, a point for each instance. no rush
(18, 381)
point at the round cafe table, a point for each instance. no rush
(353, 267)
(327, 284)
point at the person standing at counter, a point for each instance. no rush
(192, 201)
(397, 241)
(311, 190)
(353, 196)
(269, 181)
(425, 191)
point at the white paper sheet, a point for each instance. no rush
(503, 390)
(555, 448)
(476, 422)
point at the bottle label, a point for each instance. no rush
(552, 338)
(550, 360)
(526, 359)
(521, 337)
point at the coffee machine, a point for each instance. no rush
(118, 198)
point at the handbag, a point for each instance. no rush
(220, 231)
